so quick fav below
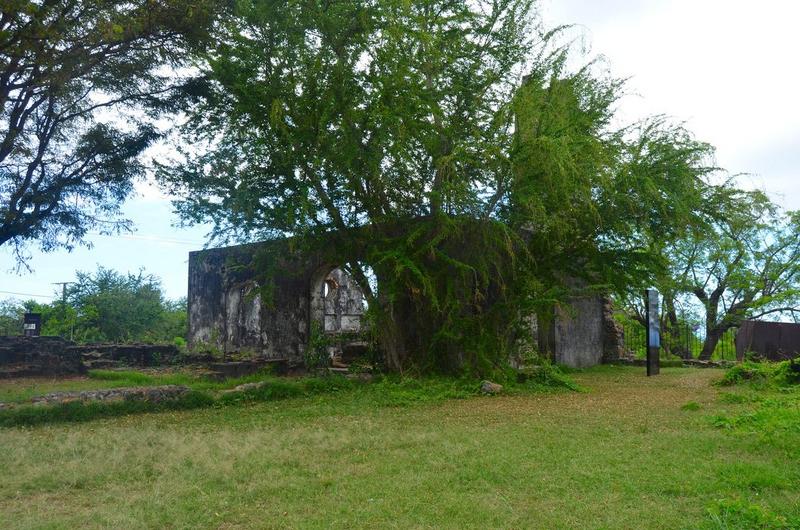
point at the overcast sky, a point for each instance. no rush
(727, 68)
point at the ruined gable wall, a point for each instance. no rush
(227, 311)
(579, 333)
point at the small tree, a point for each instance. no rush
(11, 317)
(116, 307)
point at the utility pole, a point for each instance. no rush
(64, 303)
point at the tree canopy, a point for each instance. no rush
(69, 72)
(105, 306)
(744, 264)
(478, 194)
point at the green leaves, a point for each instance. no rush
(401, 130)
(105, 306)
(62, 63)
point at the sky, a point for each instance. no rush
(725, 68)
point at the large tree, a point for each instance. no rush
(397, 129)
(69, 71)
(739, 262)
(746, 265)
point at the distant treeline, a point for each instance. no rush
(105, 306)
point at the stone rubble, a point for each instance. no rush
(487, 387)
(156, 394)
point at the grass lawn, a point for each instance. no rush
(672, 451)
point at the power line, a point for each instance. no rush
(28, 294)
(149, 237)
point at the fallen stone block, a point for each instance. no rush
(245, 387)
(487, 387)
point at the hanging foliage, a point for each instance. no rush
(403, 132)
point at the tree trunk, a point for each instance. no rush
(391, 338)
(710, 344)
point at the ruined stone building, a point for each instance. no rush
(308, 292)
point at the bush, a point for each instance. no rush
(747, 371)
(788, 372)
(546, 375)
(785, 373)
(316, 355)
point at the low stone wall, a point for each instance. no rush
(156, 394)
(38, 356)
(54, 356)
(613, 334)
(108, 355)
(696, 363)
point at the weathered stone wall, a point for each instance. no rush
(229, 310)
(344, 303)
(578, 331)
(153, 394)
(38, 356)
(581, 333)
(226, 311)
(53, 356)
(115, 355)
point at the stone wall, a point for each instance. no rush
(230, 311)
(38, 356)
(114, 355)
(153, 394)
(226, 310)
(343, 302)
(53, 356)
(581, 333)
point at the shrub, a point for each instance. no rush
(785, 373)
(747, 371)
(546, 375)
(316, 356)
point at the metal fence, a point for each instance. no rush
(684, 340)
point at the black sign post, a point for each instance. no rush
(32, 324)
(653, 332)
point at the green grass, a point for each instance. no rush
(772, 393)
(626, 453)
(203, 392)
(20, 390)
(782, 374)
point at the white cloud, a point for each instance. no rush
(727, 68)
